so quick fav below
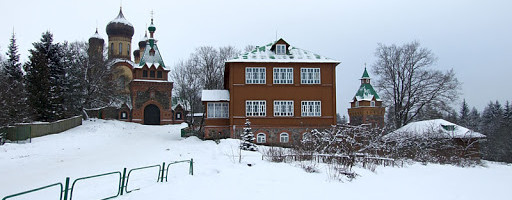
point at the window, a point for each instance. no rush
(280, 49)
(124, 115)
(311, 108)
(152, 74)
(255, 75)
(159, 74)
(283, 75)
(372, 103)
(284, 138)
(144, 73)
(178, 115)
(357, 104)
(255, 108)
(112, 48)
(218, 110)
(283, 108)
(261, 138)
(128, 50)
(310, 75)
(120, 48)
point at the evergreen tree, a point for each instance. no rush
(74, 58)
(464, 114)
(13, 99)
(492, 119)
(248, 138)
(474, 120)
(45, 79)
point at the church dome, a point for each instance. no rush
(120, 26)
(96, 37)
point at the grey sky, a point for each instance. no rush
(472, 37)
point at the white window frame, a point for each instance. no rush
(284, 137)
(283, 108)
(283, 75)
(218, 110)
(255, 108)
(255, 75)
(372, 103)
(280, 49)
(311, 108)
(124, 115)
(310, 76)
(261, 138)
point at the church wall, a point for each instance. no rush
(113, 51)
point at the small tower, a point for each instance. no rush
(142, 45)
(95, 51)
(120, 32)
(366, 106)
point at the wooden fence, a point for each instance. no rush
(30, 130)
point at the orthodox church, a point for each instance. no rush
(366, 106)
(142, 82)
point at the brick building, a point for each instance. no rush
(366, 106)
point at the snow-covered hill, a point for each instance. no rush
(101, 146)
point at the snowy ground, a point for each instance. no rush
(103, 146)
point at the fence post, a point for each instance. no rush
(66, 189)
(191, 167)
(163, 170)
(122, 180)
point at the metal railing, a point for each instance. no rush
(65, 190)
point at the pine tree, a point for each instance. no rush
(492, 119)
(248, 138)
(14, 98)
(464, 114)
(474, 120)
(45, 79)
(74, 59)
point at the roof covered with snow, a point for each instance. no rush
(97, 35)
(215, 95)
(293, 55)
(436, 128)
(366, 93)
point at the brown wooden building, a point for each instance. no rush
(284, 91)
(366, 106)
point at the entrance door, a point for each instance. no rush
(151, 115)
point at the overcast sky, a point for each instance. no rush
(472, 37)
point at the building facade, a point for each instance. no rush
(284, 91)
(144, 91)
(366, 106)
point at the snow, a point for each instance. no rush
(101, 146)
(215, 95)
(97, 35)
(120, 19)
(296, 55)
(435, 129)
(147, 80)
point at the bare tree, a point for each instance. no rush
(188, 85)
(409, 84)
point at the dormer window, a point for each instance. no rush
(280, 49)
(357, 104)
(372, 103)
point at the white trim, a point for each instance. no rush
(280, 48)
(261, 140)
(255, 108)
(255, 75)
(282, 75)
(311, 108)
(217, 110)
(284, 137)
(283, 108)
(310, 76)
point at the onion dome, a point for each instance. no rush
(136, 53)
(143, 41)
(120, 26)
(96, 37)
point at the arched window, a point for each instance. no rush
(372, 103)
(261, 138)
(284, 138)
(111, 48)
(120, 48)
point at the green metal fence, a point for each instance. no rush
(66, 191)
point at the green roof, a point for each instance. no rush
(365, 74)
(366, 92)
(150, 59)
